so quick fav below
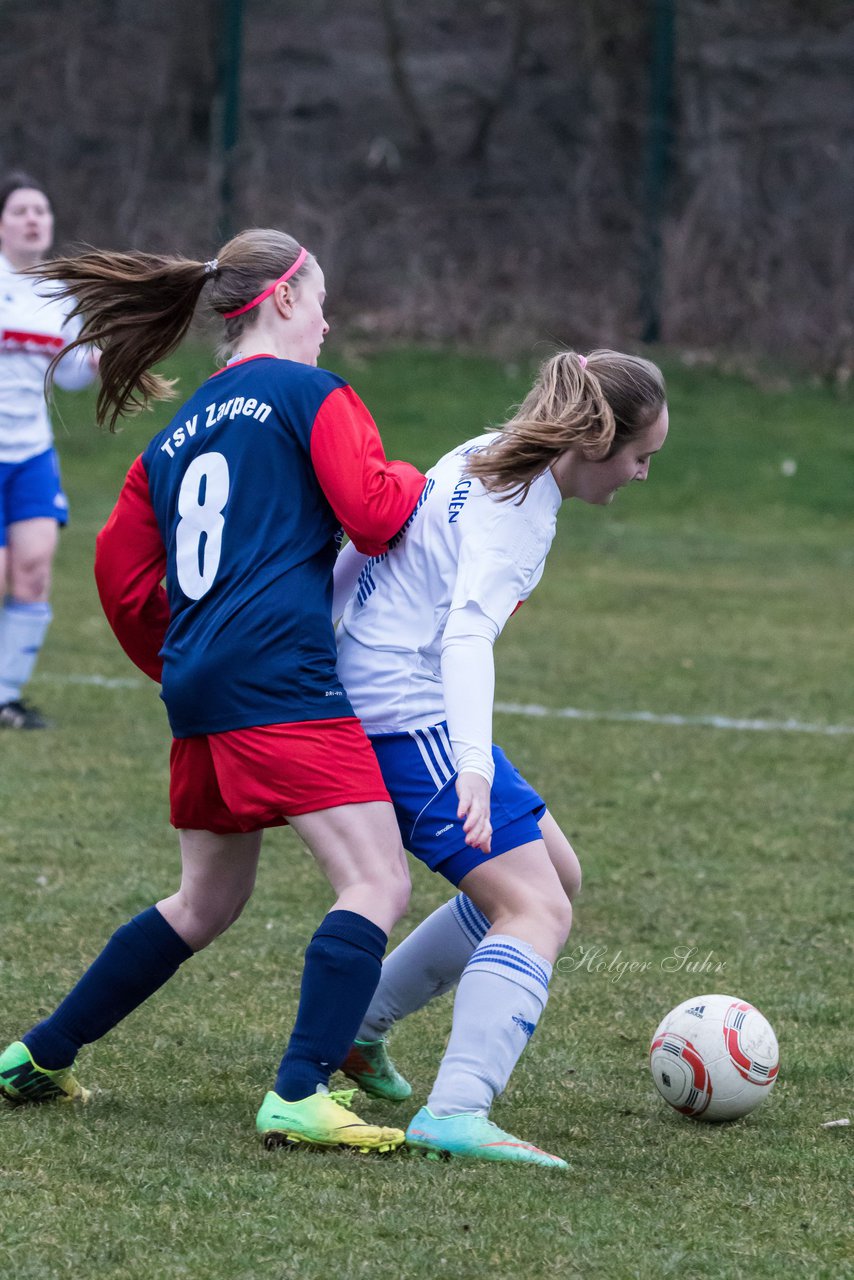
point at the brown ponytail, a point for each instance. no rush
(137, 307)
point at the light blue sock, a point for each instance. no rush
(428, 962)
(22, 631)
(500, 998)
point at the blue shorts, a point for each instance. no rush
(31, 490)
(418, 769)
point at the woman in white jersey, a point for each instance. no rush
(415, 655)
(34, 327)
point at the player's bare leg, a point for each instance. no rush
(25, 570)
(562, 855)
(217, 878)
(426, 964)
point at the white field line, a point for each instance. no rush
(561, 713)
(102, 682)
(650, 717)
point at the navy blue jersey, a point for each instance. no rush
(241, 500)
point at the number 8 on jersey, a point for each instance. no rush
(198, 533)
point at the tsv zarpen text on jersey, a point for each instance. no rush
(238, 406)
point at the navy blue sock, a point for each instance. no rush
(342, 969)
(138, 959)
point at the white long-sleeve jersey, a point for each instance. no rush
(34, 326)
(416, 636)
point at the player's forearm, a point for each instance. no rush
(468, 684)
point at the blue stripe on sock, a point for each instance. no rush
(519, 961)
(507, 964)
(478, 916)
(37, 609)
(472, 921)
(463, 919)
(514, 958)
(517, 953)
(510, 959)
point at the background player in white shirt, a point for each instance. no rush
(415, 655)
(34, 328)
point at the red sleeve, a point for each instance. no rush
(130, 561)
(371, 496)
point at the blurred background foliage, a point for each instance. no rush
(489, 173)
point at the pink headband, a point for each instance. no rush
(292, 270)
(582, 360)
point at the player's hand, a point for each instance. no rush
(474, 794)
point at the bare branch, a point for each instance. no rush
(424, 139)
(492, 104)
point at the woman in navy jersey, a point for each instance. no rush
(415, 654)
(238, 505)
(35, 326)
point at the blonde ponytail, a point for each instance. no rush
(593, 404)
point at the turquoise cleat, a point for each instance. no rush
(471, 1135)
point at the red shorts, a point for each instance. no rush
(247, 779)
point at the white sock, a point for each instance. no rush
(499, 1000)
(22, 631)
(427, 963)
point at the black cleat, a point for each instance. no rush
(21, 715)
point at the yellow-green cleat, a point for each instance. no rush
(369, 1066)
(322, 1120)
(22, 1080)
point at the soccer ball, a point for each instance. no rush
(714, 1058)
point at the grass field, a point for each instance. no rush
(721, 588)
